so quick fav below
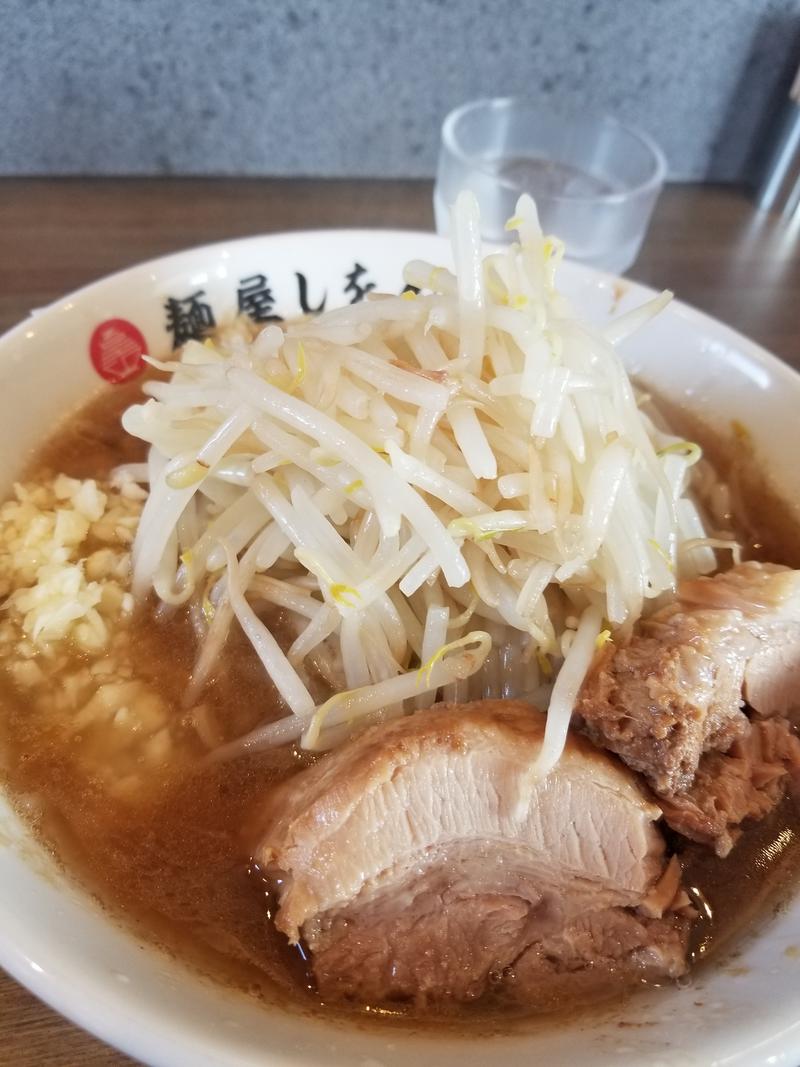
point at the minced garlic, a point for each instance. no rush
(65, 561)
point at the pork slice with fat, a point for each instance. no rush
(746, 782)
(768, 597)
(676, 689)
(423, 858)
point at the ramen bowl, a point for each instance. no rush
(56, 940)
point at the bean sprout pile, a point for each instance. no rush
(450, 492)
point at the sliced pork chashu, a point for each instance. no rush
(746, 782)
(676, 690)
(423, 860)
(768, 597)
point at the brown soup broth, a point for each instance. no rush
(174, 864)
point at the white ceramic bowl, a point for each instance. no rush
(55, 941)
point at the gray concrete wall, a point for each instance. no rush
(359, 88)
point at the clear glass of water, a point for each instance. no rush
(595, 181)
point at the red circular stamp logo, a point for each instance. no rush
(116, 350)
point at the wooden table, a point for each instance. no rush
(706, 243)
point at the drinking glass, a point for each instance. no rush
(595, 180)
